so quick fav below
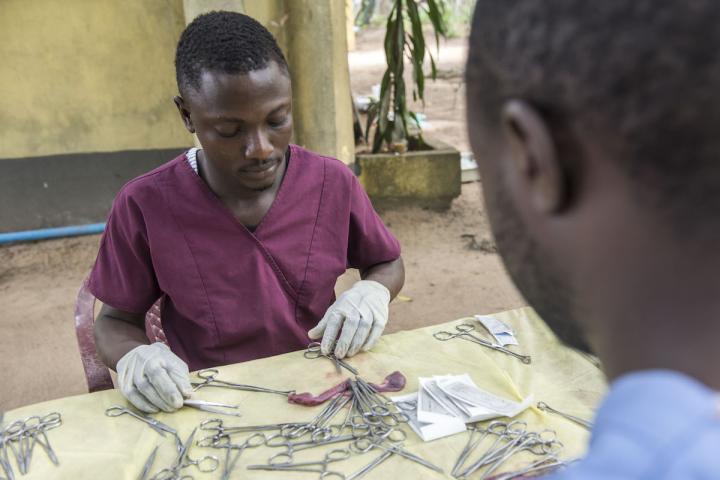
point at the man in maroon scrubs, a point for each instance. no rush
(243, 239)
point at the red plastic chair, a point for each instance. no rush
(96, 373)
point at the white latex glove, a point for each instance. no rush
(152, 377)
(360, 313)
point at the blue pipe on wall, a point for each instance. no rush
(46, 233)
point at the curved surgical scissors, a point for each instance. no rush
(161, 428)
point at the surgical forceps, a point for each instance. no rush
(547, 408)
(477, 436)
(463, 332)
(373, 406)
(364, 445)
(216, 425)
(332, 456)
(541, 467)
(206, 464)
(212, 407)
(384, 456)
(209, 376)
(292, 447)
(254, 440)
(512, 438)
(158, 426)
(531, 442)
(314, 351)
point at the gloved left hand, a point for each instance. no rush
(359, 316)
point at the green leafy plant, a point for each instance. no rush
(396, 126)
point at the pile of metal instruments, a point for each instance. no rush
(20, 439)
(206, 464)
(370, 422)
(489, 448)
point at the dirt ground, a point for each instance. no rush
(452, 268)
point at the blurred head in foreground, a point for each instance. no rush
(596, 126)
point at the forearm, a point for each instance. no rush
(116, 333)
(390, 274)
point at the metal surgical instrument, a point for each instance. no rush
(148, 464)
(511, 438)
(384, 456)
(463, 332)
(364, 445)
(209, 377)
(161, 428)
(254, 440)
(212, 407)
(21, 436)
(547, 408)
(206, 464)
(216, 425)
(336, 455)
(314, 351)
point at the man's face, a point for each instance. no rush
(243, 122)
(538, 275)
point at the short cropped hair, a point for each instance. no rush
(642, 72)
(227, 42)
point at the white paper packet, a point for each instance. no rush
(427, 431)
(481, 404)
(502, 332)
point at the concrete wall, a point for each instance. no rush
(88, 76)
(85, 104)
(86, 92)
(321, 77)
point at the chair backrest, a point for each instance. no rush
(96, 373)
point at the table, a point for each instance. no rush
(92, 445)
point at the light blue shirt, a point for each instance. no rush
(653, 425)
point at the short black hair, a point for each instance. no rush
(227, 42)
(644, 73)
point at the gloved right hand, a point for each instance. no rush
(152, 377)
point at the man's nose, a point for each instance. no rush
(258, 146)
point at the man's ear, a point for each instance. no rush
(535, 160)
(184, 113)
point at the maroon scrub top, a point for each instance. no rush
(228, 294)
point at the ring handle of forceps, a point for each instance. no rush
(211, 461)
(465, 328)
(313, 351)
(206, 374)
(445, 335)
(365, 444)
(335, 455)
(217, 422)
(117, 410)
